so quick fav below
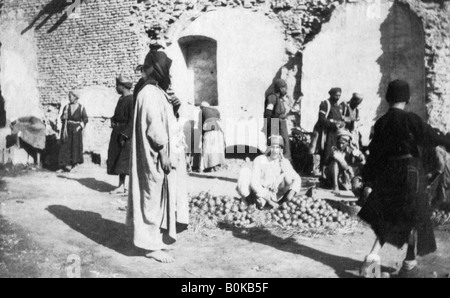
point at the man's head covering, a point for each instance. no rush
(398, 91)
(343, 133)
(158, 44)
(124, 81)
(75, 93)
(276, 140)
(335, 90)
(357, 98)
(161, 68)
(280, 83)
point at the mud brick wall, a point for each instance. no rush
(90, 50)
(302, 19)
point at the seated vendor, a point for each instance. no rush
(272, 178)
(343, 162)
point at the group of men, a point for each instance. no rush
(147, 144)
(336, 139)
(394, 185)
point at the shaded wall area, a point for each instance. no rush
(361, 49)
(2, 111)
(403, 45)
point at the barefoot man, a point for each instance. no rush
(158, 206)
(122, 126)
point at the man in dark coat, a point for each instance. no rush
(275, 115)
(122, 124)
(398, 208)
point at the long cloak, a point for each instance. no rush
(157, 204)
(118, 155)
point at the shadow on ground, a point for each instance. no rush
(108, 233)
(343, 267)
(92, 183)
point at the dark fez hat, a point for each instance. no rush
(398, 91)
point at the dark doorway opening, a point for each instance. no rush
(200, 54)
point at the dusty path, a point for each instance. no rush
(47, 217)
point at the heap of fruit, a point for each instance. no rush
(223, 207)
(303, 212)
(307, 212)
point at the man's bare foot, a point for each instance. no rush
(160, 256)
(117, 191)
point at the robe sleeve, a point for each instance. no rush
(156, 119)
(374, 161)
(324, 122)
(65, 113)
(269, 109)
(84, 117)
(128, 113)
(426, 135)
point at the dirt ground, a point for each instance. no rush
(45, 218)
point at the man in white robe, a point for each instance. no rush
(158, 206)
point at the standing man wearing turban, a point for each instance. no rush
(74, 120)
(350, 112)
(330, 120)
(122, 125)
(275, 115)
(398, 209)
(157, 203)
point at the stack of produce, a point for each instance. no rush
(302, 212)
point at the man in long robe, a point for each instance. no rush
(74, 120)
(158, 206)
(324, 137)
(213, 139)
(122, 125)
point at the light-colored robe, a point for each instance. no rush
(153, 215)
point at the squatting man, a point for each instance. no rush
(272, 180)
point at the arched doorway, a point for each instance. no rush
(200, 54)
(236, 53)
